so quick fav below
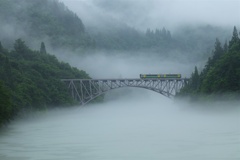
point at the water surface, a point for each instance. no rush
(143, 126)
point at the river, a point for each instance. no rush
(142, 125)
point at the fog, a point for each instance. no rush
(130, 124)
(144, 14)
(142, 125)
(125, 64)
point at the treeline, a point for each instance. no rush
(30, 80)
(220, 77)
(127, 38)
(187, 43)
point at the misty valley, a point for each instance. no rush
(102, 79)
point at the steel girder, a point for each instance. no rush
(85, 90)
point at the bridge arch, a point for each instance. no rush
(85, 90)
(102, 93)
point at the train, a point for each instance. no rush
(154, 76)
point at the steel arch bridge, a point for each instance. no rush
(85, 90)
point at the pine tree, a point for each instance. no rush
(6, 109)
(218, 52)
(164, 33)
(43, 48)
(20, 47)
(235, 39)
(225, 47)
(195, 80)
(1, 47)
(157, 34)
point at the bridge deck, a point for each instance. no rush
(127, 79)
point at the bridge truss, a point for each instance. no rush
(85, 90)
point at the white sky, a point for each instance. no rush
(158, 13)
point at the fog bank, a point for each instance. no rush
(144, 14)
(127, 65)
(142, 125)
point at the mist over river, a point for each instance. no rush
(138, 125)
(131, 124)
(113, 39)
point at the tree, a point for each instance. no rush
(164, 32)
(221, 74)
(218, 52)
(21, 50)
(149, 33)
(225, 47)
(42, 48)
(195, 80)
(1, 47)
(235, 39)
(6, 109)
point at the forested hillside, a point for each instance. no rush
(42, 20)
(221, 74)
(187, 43)
(126, 38)
(52, 22)
(30, 80)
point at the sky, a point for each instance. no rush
(142, 14)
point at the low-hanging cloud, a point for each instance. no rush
(143, 14)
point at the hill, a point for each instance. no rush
(45, 20)
(221, 74)
(30, 80)
(186, 43)
(50, 21)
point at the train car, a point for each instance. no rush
(153, 76)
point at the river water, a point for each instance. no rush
(140, 125)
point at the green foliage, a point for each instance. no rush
(222, 72)
(235, 39)
(195, 80)
(6, 109)
(31, 80)
(192, 87)
(224, 76)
